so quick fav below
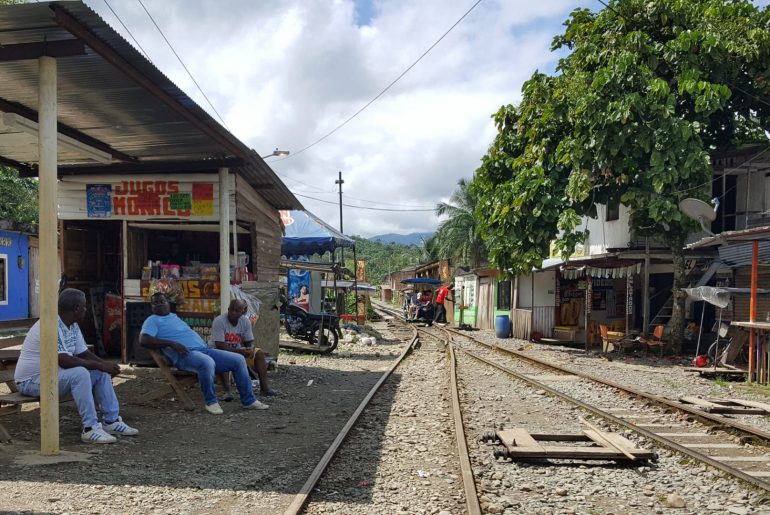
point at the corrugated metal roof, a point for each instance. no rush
(98, 98)
(750, 234)
(739, 254)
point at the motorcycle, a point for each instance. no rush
(321, 329)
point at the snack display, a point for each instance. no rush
(168, 287)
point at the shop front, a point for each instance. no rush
(123, 240)
(590, 296)
(14, 275)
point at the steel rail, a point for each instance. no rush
(662, 401)
(299, 501)
(619, 421)
(469, 483)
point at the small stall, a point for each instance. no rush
(593, 294)
(745, 250)
(307, 235)
(16, 291)
(123, 240)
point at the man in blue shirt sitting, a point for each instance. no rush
(186, 350)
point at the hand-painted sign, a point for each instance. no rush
(192, 289)
(162, 198)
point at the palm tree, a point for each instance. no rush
(457, 237)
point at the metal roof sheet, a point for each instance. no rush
(100, 97)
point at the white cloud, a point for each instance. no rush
(283, 74)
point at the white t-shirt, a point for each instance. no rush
(71, 342)
(231, 335)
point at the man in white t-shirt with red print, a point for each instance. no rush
(232, 332)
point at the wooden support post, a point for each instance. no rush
(49, 267)
(646, 289)
(224, 240)
(753, 309)
(124, 277)
(589, 295)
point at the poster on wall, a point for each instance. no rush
(99, 200)
(572, 294)
(298, 284)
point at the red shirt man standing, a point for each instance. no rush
(441, 295)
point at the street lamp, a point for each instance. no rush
(276, 152)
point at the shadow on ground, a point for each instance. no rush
(272, 450)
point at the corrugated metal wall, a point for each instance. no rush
(741, 302)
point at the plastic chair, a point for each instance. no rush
(608, 342)
(656, 340)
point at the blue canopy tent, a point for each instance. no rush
(422, 280)
(306, 234)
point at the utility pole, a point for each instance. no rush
(340, 182)
(341, 307)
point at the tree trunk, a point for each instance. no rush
(680, 282)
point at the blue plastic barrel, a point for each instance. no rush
(502, 326)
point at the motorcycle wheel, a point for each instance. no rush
(325, 336)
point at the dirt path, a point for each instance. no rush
(193, 462)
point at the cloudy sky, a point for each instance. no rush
(286, 73)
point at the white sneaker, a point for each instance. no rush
(256, 405)
(120, 428)
(214, 409)
(97, 435)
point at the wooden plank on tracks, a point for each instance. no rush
(623, 443)
(519, 438)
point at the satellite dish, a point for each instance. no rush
(700, 211)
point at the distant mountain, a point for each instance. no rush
(414, 238)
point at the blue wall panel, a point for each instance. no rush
(13, 245)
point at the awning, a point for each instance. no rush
(117, 112)
(422, 280)
(754, 233)
(719, 297)
(306, 234)
(615, 272)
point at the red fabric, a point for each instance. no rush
(442, 293)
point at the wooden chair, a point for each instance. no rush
(608, 342)
(177, 381)
(656, 340)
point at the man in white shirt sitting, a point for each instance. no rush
(82, 373)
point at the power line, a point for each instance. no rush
(374, 201)
(338, 127)
(146, 55)
(362, 207)
(389, 203)
(183, 65)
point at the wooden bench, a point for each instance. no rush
(10, 403)
(177, 381)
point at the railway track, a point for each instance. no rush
(711, 439)
(657, 423)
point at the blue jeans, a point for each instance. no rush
(208, 362)
(85, 386)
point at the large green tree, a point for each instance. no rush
(19, 197)
(458, 237)
(648, 89)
